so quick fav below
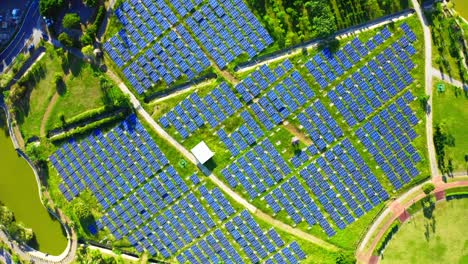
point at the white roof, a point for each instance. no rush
(202, 153)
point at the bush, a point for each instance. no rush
(345, 257)
(20, 233)
(86, 40)
(428, 188)
(6, 216)
(81, 210)
(50, 7)
(386, 238)
(65, 39)
(71, 20)
(99, 17)
(90, 3)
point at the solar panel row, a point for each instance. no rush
(193, 112)
(258, 169)
(388, 136)
(326, 67)
(227, 29)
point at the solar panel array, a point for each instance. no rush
(321, 127)
(170, 58)
(244, 136)
(127, 151)
(193, 112)
(343, 184)
(258, 245)
(227, 29)
(143, 22)
(375, 83)
(260, 79)
(284, 98)
(258, 169)
(326, 67)
(388, 137)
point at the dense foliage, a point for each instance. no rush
(293, 21)
(16, 230)
(428, 188)
(71, 20)
(50, 7)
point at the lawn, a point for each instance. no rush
(444, 46)
(439, 239)
(82, 93)
(451, 110)
(79, 93)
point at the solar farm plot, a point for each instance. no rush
(243, 137)
(127, 151)
(339, 187)
(257, 170)
(228, 29)
(262, 78)
(172, 57)
(322, 129)
(388, 137)
(374, 84)
(143, 22)
(195, 112)
(326, 67)
(257, 244)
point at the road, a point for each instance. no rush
(29, 23)
(428, 88)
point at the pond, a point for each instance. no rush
(462, 7)
(19, 192)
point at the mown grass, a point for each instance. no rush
(450, 110)
(432, 239)
(79, 93)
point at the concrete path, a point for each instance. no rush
(428, 88)
(446, 78)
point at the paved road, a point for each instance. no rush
(32, 17)
(440, 75)
(428, 88)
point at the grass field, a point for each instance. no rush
(442, 40)
(440, 239)
(80, 92)
(451, 110)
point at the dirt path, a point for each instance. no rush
(46, 116)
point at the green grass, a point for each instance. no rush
(82, 93)
(451, 110)
(441, 238)
(442, 39)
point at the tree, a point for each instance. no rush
(428, 188)
(88, 51)
(6, 216)
(345, 257)
(20, 233)
(65, 39)
(90, 3)
(50, 8)
(86, 39)
(82, 210)
(71, 20)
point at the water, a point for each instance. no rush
(462, 7)
(19, 192)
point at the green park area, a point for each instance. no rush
(58, 88)
(436, 235)
(450, 113)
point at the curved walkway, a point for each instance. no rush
(397, 210)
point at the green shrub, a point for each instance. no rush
(65, 39)
(428, 188)
(386, 238)
(71, 20)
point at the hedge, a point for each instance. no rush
(387, 237)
